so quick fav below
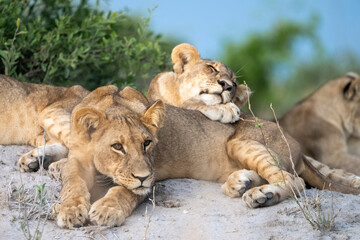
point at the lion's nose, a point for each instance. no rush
(225, 86)
(141, 178)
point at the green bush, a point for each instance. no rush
(54, 42)
(262, 56)
(270, 64)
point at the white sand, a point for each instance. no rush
(186, 209)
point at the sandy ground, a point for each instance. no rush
(185, 209)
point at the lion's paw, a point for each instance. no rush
(31, 161)
(239, 182)
(55, 169)
(262, 196)
(72, 213)
(107, 212)
(355, 182)
(230, 113)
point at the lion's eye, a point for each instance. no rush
(118, 147)
(146, 143)
(213, 69)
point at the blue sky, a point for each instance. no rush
(209, 24)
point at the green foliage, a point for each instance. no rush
(269, 63)
(55, 42)
(308, 76)
(41, 195)
(258, 59)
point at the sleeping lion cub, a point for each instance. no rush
(200, 84)
(326, 124)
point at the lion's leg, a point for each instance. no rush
(339, 156)
(42, 156)
(336, 175)
(254, 156)
(240, 181)
(114, 207)
(56, 122)
(55, 168)
(77, 180)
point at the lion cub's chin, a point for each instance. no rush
(141, 190)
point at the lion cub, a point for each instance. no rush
(327, 123)
(200, 84)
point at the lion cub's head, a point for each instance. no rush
(115, 132)
(212, 80)
(351, 91)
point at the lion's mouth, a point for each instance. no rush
(141, 190)
(222, 97)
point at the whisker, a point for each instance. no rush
(240, 69)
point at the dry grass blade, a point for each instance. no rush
(31, 205)
(310, 208)
(148, 218)
(314, 215)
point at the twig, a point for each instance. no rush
(42, 158)
(319, 221)
(148, 218)
(284, 138)
(116, 236)
(259, 125)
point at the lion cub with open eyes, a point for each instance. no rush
(200, 84)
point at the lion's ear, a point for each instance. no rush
(243, 93)
(86, 120)
(133, 95)
(352, 89)
(352, 75)
(154, 117)
(184, 54)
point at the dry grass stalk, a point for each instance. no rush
(259, 125)
(148, 218)
(310, 208)
(31, 205)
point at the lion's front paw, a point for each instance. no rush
(262, 196)
(31, 161)
(72, 213)
(55, 169)
(107, 212)
(355, 182)
(239, 182)
(230, 113)
(28, 163)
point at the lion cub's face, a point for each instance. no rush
(120, 144)
(351, 91)
(214, 82)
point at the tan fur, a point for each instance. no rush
(246, 148)
(27, 110)
(327, 123)
(200, 84)
(182, 148)
(108, 133)
(103, 119)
